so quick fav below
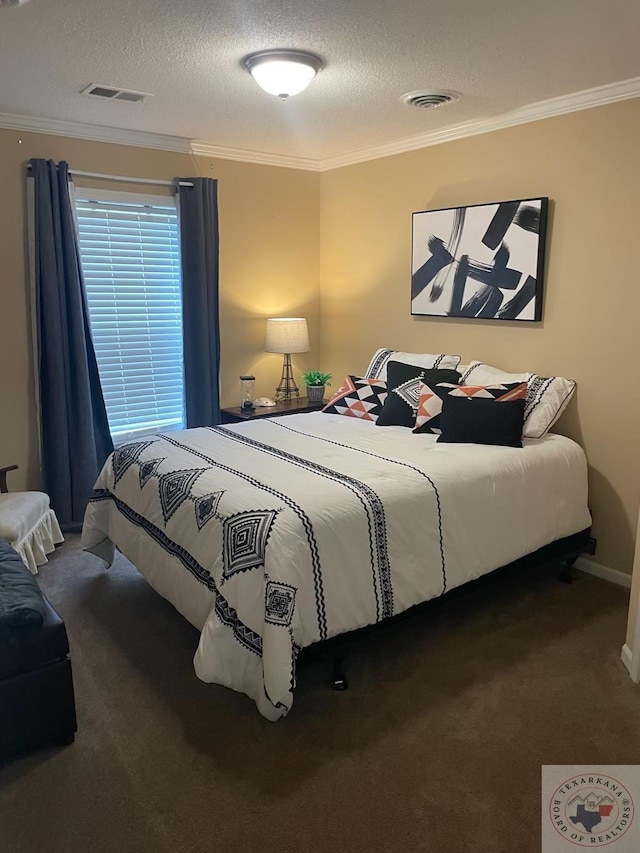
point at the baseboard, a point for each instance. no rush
(627, 658)
(604, 572)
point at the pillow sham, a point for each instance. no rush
(378, 365)
(403, 387)
(431, 397)
(358, 398)
(547, 396)
(478, 420)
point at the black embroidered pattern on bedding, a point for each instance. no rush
(278, 423)
(245, 635)
(300, 514)
(245, 537)
(124, 456)
(370, 501)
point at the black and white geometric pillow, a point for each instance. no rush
(358, 398)
(432, 398)
(378, 365)
(403, 385)
(547, 396)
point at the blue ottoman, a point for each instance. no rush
(37, 706)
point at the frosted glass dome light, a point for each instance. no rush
(282, 72)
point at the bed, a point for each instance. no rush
(270, 536)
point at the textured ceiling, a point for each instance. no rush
(500, 54)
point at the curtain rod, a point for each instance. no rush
(125, 179)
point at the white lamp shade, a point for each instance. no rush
(287, 335)
(283, 77)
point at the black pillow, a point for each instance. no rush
(403, 391)
(476, 420)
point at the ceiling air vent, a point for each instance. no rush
(113, 94)
(429, 100)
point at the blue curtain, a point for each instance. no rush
(198, 205)
(74, 431)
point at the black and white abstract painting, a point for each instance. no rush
(484, 261)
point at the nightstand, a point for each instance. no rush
(292, 407)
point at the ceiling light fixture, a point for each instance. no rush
(283, 72)
(6, 4)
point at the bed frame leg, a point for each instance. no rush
(567, 572)
(338, 678)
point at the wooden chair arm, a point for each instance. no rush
(3, 477)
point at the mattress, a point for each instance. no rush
(271, 535)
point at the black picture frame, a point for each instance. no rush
(481, 261)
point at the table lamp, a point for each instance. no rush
(287, 335)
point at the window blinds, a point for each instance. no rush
(131, 264)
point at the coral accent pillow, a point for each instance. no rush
(547, 396)
(358, 398)
(432, 397)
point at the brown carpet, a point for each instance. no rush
(437, 745)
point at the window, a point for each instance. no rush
(130, 257)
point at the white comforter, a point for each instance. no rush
(273, 534)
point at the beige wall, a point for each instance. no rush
(282, 230)
(269, 259)
(587, 163)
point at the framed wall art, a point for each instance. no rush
(484, 261)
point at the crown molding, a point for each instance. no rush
(588, 98)
(95, 132)
(199, 148)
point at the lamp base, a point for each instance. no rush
(287, 389)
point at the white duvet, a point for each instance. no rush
(273, 534)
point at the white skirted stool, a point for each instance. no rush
(28, 523)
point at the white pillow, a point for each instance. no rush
(547, 397)
(378, 365)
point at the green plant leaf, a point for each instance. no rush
(316, 377)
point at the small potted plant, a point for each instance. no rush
(316, 381)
